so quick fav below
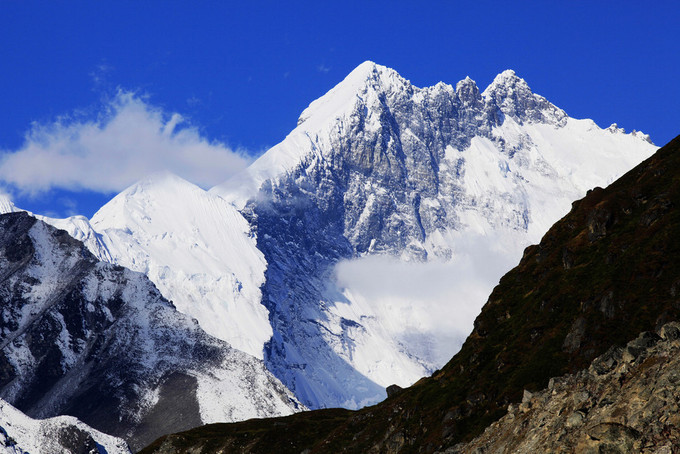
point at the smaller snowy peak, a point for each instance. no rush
(160, 185)
(162, 178)
(21, 434)
(198, 250)
(513, 97)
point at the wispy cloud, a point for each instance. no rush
(129, 140)
(430, 306)
(193, 101)
(100, 73)
(322, 68)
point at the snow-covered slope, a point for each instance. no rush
(99, 342)
(21, 434)
(197, 249)
(390, 212)
(358, 251)
(6, 204)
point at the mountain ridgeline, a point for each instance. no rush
(310, 260)
(380, 168)
(600, 276)
(300, 282)
(97, 341)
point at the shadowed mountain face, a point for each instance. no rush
(379, 168)
(97, 341)
(604, 273)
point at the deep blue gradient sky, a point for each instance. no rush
(241, 72)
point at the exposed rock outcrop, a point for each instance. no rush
(628, 400)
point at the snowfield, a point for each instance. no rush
(357, 252)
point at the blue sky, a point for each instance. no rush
(217, 77)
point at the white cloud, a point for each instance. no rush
(429, 306)
(130, 140)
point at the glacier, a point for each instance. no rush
(357, 252)
(387, 216)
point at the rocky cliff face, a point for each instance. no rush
(315, 259)
(97, 341)
(379, 167)
(604, 273)
(626, 401)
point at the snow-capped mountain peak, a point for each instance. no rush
(378, 166)
(378, 172)
(363, 91)
(514, 98)
(153, 190)
(197, 248)
(362, 86)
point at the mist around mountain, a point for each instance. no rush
(356, 253)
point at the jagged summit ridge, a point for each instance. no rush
(508, 91)
(378, 170)
(380, 167)
(513, 97)
(365, 99)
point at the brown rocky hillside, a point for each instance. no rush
(628, 400)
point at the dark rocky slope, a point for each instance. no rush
(606, 272)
